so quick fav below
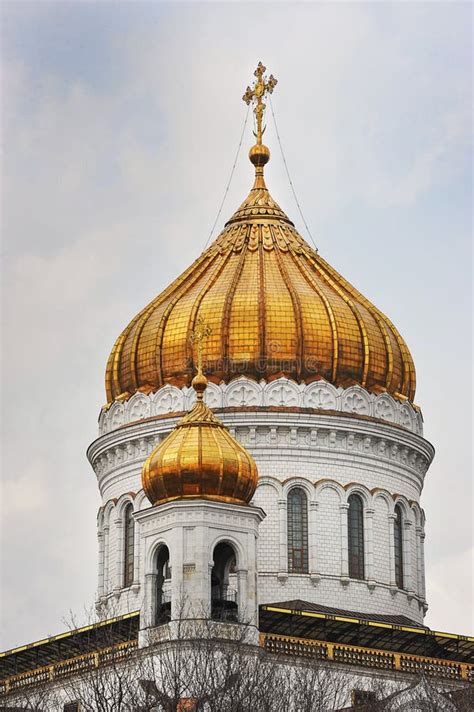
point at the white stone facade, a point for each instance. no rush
(191, 530)
(346, 442)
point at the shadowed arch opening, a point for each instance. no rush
(355, 531)
(163, 586)
(297, 531)
(224, 597)
(398, 541)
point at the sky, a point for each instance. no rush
(120, 123)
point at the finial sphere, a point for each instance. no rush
(199, 383)
(259, 155)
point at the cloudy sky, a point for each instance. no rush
(120, 123)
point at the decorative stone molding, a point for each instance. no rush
(260, 431)
(313, 435)
(243, 393)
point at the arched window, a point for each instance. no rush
(297, 531)
(398, 540)
(128, 546)
(162, 586)
(355, 527)
(224, 598)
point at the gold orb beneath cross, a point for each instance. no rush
(259, 155)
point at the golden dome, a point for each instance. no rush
(199, 459)
(275, 307)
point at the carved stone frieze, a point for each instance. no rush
(267, 432)
(243, 392)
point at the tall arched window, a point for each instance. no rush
(129, 544)
(398, 540)
(162, 586)
(355, 532)
(297, 531)
(224, 598)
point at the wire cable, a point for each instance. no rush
(230, 179)
(289, 177)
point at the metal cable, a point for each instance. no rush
(289, 177)
(230, 179)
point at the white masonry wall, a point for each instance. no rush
(354, 445)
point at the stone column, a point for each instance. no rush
(313, 543)
(422, 564)
(136, 556)
(100, 582)
(243, 602)
(391, 533)
(180, 599)
(343, 508)
(369, 547)
(150, 602)
(119, 571)
(419, 572)
(408, 577)
(106, 558)
(283, 568)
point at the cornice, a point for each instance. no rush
(272, 435)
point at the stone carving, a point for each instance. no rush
(169, 399)
(213, 396)
(261, 436)
(384, 408)
(320, 395)
(139, 407)
(406, 417)
(356, 400)
(116, 416)
(282, 392)
(243, 392)
(190, 398)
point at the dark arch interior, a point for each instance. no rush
(163, 596)
(223, 594)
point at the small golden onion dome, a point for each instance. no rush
(200, 459)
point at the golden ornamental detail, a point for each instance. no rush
(261, 88)
(275, 307)
(200, 332)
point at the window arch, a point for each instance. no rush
(355, 530)
(398, 541)
(297, 531)
(162, 586)
(128, 546)
(224, 597)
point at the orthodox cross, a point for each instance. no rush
(261, 88)
(196, 337)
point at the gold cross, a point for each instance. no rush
(201, 331)
(261, 87)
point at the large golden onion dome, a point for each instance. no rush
(200, 459)
(276, 308)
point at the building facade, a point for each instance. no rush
(261, 461)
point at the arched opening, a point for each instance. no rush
(224, 605)
(398, 541)
(355, 530)
(163, 586)
(128, 546)
(297, 531)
